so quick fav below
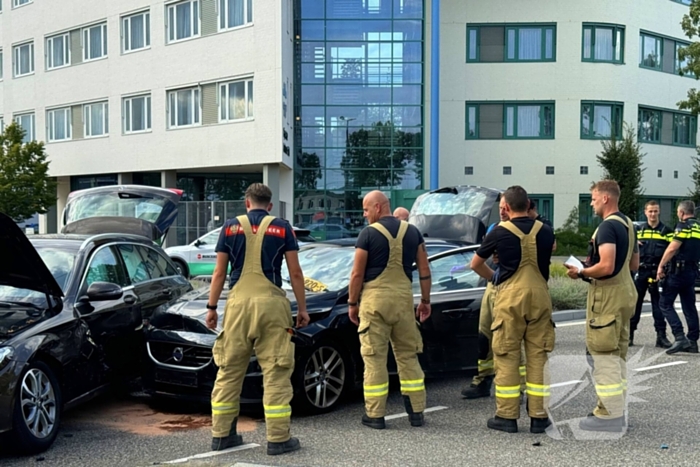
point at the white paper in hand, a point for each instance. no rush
(574, 262)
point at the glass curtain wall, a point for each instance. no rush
(359, 99)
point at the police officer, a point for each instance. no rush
(258, 317)
(522, 310)
(679, 267)
(613, 253)
(532, 212)
(653, 238)
(381, 281)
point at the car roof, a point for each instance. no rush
(83, 240)
(347, 242)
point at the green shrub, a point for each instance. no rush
(572, 243)
(567, 294)
(557, 270)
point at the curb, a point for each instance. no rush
(577, 315)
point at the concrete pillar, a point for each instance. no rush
(125, 178)
(43, 224)
(62, 192)
(168, 179)
(271, 178)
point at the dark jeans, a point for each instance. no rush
(642, 283)
(683, 284)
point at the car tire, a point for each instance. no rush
(182, 267)
(37, 409)
(322, 377)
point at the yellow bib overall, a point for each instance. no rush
(610, 307)
(257, 317)
(522, 311)
(387, 315)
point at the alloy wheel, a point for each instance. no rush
(324, 377)
(38, 403)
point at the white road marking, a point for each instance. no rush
(429, 409)
(680, 362)
(566, 383)
(204, 455)
(579, 322)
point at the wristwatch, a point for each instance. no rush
(211, 307)
(352, 303)
(580, 274)
(425, 301)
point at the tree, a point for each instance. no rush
(694, 193)
(689, 57)
(310, 174)
(25, 186)
(621, 160)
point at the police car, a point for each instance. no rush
(199, 257)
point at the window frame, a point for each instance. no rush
(2, 62)
(677, 70)
(50, 122)
(126, 30)
(222, 13)
(510, 104)
(615, 28)
(247, 88)
(675, 128)
(196, 109)
(170, 28)
(15, 59)
(65, 36)
(619, 106)
(86, 119)
(30, 136)
(86, 42)
(127, 101)
(515, 27)
(20, 3)
(693, 130)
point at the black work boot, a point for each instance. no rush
(503, 424)
(376, 423)
(631, 344)
(416, 418)
(593, 423)
(662, 341)
(474, 391)
(693, 348)
(232, 440)
(682, 343)
(275, 449)
(539, 425)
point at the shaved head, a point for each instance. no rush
(401, 213)
(375, 206)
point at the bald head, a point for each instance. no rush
(401, 213)
(375, 206)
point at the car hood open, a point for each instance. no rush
(133, 209)
(21, 265)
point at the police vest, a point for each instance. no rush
(654, 242)
(688, 232)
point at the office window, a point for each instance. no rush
(661, 53)
(583, 170)
(236, 100)
(234, 13)
(16, 3)
(666, 127)
(675, 174)
(58, 124)
(2, 123)
(601, 119)
(183, 20)
(95, 42)
(507, 170)
(58, 51)
(511, 42)
(659, 173)
(136, 31)
(137, 114)
(96, 119)
(26, 121)
(603, 43)
(2, 62)
(549, 170)
(684, 2)
(469, 170)
(510, 120)
(23, 59)
(184, 108)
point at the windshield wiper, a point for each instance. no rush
(8, 303)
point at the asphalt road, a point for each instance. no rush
(663, 411)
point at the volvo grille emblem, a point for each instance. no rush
(178, 354)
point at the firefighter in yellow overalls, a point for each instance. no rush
(258, 317)
(613, 253)
(522, 311)
(382, 272)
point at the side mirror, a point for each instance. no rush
(198, 243)
(102, 291)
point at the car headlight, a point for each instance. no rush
(5, 356)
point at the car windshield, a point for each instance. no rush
(112, 205)
(326, 268)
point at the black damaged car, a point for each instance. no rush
(328, 361)
(73, 305)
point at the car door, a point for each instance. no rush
(114, 324)
(202, 255)
(450, 336)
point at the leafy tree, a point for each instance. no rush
(621, 160)
(308, 178)
(351, 68)
(25, 186)
(694, 193)
(690, 56)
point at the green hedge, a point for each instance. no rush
(566, 293)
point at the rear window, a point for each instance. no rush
(449, 204)
(112, 205)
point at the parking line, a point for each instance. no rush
(430, 409)
(204, 455)
(566, 383)
(680, 362)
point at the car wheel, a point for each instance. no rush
(323, 376)
(37, 412)
(181, 267)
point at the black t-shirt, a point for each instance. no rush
(377, 247)
(546, 222)
(509, 251)
(611, 231)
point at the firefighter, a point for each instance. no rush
(613, 253)
(401, 213)
(522, 310)
(679, 268)
(653, 238)
(381, 281)
(258, 317)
